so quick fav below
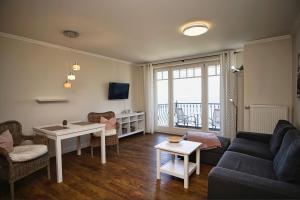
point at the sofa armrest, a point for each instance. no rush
(225, 183)
(260, 137)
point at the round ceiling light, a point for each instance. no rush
(194, 29)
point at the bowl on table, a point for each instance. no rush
(174, 139)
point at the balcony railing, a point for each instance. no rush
(188, 115)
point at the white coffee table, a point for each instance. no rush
(176, 167)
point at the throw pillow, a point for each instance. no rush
(208, 140)
(6, 141)
(109, 123)
(280, 130)
(287, 161)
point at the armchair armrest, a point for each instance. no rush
(260, 137)
(35, 139)
(225, 183)
(40, 139)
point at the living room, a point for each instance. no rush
(109, 100)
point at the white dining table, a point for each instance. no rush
(76, 129)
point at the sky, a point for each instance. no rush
(189, 90)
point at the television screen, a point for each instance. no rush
(118, 90)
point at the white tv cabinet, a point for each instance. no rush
(131, 123)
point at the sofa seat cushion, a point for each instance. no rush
(24, 153)
(109, 132)
(252, 148)
(247, 164)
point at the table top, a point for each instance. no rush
(56, 129)
(183, 147)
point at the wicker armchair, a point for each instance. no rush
(112, 140)
(13, 171)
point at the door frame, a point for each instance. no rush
(204, 114)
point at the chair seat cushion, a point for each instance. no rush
(109, 132)
(27, 152)
(252, 148)
(247, 164)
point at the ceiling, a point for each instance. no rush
(142, 31)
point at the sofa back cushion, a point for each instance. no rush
(287, 161)
(280, 130)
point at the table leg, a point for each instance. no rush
(103, 153)
(158, 164)
(198, 161)
(186, 171)
(58, 160)
(78, 146)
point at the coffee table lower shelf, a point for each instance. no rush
(176, 168)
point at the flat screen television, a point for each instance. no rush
(118, 90)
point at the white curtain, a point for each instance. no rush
(149, 97)
(228, 123)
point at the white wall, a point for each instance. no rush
(296, 51)
(29, 70)
(268, 73)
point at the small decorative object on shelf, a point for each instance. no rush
(127, 111)
(174, 139)
(65, 124)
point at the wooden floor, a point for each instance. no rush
(130, 176)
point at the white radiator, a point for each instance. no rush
(263, 118)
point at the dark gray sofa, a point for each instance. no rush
(259, 166)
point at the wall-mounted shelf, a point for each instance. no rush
(50, 100)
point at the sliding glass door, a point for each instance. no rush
(188, 97)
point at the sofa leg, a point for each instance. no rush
(48, 169)
(12, 190)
